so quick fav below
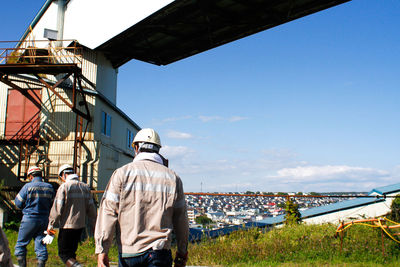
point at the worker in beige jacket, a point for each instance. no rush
(72, 205)
(143, 204)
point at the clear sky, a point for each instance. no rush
(311, 105)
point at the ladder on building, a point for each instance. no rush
(79, 138)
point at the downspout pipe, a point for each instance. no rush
(35, 21)
(60, 21)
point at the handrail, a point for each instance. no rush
(27, 53)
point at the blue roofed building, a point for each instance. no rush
(376, 205)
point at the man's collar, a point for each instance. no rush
(72, 177)
(37, 179)
(148, 156)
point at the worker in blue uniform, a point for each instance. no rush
(35, 199)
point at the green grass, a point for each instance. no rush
(85, 252)
(300, 245)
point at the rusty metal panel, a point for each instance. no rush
(23, 116)
(23, 83)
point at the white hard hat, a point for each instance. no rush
(63, 168)
(34, 169)
(147, 136)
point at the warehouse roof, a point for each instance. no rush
(384, 190)
(164, 31)
(188, 27)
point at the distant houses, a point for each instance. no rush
(266, 213)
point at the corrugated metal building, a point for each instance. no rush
(44, 131)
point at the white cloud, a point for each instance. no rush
(210, 118)
(177, 118)
(237, 118)
(317, 173)
(271, 170)
(278, 153)
(219, 118)
(396, 172)
(179, 135)
(329, 178)
(264, 176)
(175, 151)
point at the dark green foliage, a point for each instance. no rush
(394, 214)
(203, 220)
(292, 215)
(281, 205)
(12, 225)
(268, 193)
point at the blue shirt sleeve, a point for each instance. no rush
(21, 198)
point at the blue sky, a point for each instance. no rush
(311, 105)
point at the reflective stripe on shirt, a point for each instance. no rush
(36, 191)
(20, 198)
(149, 187)
(147, 173)
(111, 196)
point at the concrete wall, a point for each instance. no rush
(106, 79)
(111, 158)
(119, 126)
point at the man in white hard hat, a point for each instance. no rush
(72, 205)
(143, 204)
(35, 199)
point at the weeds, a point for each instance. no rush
(292, 245)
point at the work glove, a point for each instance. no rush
(48, 239)
(180, 259)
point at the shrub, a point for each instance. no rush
(394, 214)
(292, 215)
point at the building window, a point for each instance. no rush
(105, 124)
(129, 139)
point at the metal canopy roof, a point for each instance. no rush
(187, 27)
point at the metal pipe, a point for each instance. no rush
(60, 21)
